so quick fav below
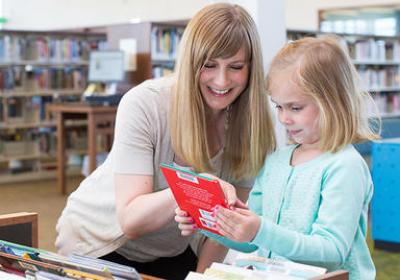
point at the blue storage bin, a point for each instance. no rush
(385, 206)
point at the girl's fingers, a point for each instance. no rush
(222, 231)
(224, 219)
(244, 212)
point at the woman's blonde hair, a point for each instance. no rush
(323, 69)
(220, 31)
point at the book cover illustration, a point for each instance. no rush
(195, 194)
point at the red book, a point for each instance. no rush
(195, 194)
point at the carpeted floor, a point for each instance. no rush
(43, 197)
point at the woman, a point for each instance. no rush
(212, 115)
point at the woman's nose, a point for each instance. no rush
(221, 79)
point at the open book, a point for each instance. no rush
(272, 270)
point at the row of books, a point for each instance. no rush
(14, 78)
(387, 103)
(373, 78)
(27, 109)
(30, 109)
(160, 71)
(165, 42)
(47, 48)
(375, 50)
(248, 266)
(21, 262)
(42, 141)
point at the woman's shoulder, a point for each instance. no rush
(154, 86)
(149, 95)
(151, 90)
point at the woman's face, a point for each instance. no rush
(222, 80)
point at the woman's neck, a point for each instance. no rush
(216, 126)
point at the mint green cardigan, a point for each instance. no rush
(314, 213)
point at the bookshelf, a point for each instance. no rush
(38, 69)
(377, 60)
(157, 46)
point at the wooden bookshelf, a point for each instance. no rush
(38, 69)
(157, 44)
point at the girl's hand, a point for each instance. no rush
(238, 224)
(185, 222)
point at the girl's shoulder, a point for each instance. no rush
(345, 161)
(282, 153)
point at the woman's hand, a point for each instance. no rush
(238, 224)
(185, 222)
(229, 190)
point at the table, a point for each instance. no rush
(101, 120)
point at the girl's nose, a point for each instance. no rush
(284, 117)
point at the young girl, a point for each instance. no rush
(310, 201)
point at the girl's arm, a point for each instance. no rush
(139, 209)
(345, 194)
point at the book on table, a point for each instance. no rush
(32, 263)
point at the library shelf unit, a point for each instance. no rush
(37, 69)
(377, 60)
(157, 44)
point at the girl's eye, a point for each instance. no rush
(279, 107)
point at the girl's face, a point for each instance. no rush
(297, 111)
(222, 80)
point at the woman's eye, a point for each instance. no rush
(209, 65)
(296, 109)
(278, 107)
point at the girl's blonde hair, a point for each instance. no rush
(323, 69)
(220, 31)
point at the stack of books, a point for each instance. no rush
(21, 262)
(248, 266)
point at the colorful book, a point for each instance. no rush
(196, 194)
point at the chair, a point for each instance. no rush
(20, 228)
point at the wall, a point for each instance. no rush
(303, 14)
(55, 15)
(34, 15)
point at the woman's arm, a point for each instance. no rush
(211, 251)
(139, 209)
